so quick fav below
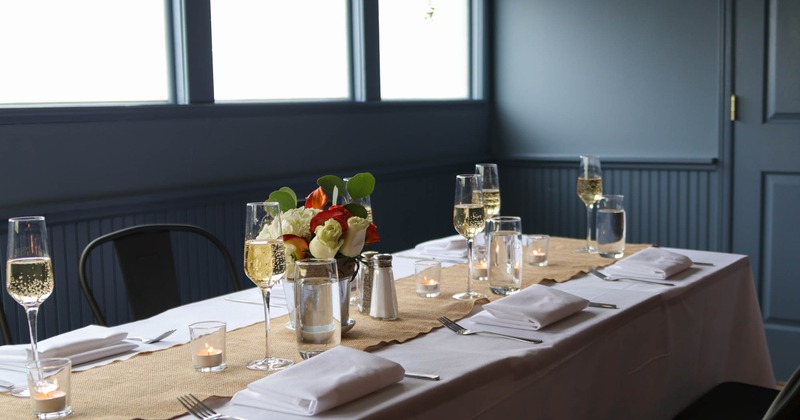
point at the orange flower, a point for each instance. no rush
(316, 200)
(372, 234)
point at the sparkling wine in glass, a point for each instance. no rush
(490, 186)
(29, 273)
(590, 190)
(264, 265)
(469, 220)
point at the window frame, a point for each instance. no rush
(191, 90)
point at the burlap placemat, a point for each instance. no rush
(146, 386)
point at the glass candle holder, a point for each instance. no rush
(49, 386)
(208, 346)
(536, 249)
(480, 269)
(428, 274)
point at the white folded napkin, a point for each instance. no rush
(325, 381)
(449, 247)
(83, 345)
(650, 263)
(531, 308)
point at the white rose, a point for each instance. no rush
(327, 240)
(293, 222)
(354, 237)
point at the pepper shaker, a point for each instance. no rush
(365, 277)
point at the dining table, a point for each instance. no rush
(658, 350)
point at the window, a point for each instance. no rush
(100, 52)
(79, 51)
(424, 49)
(277, 49)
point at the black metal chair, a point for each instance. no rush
(147, 262)
(740, 401)
(4, 328)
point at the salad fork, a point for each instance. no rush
(198, 409)
(458, 329)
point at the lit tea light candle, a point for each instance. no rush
(480, 270)
(427, 287)
(208, 357)
(49, 399)
(537, 257)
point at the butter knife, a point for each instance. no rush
(428, 376)
(602, 305)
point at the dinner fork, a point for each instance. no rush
(198, 409)
(153, 340)
(458, 329)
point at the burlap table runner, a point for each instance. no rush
(146, 386)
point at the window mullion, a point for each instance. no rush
(193, 73)
(365, 47)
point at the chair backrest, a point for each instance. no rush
(787, 404)
(147, 262)
(6, 331)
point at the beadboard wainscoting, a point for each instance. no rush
(674, 204)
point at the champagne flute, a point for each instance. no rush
(469, 220)
(490, 185)
(264, 265)
(29, 273)
(590, 190)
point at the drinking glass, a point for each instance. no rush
(265, 265)
(469, 220)
(611, 226)
(318, 324)
(490, 185)
(590, 189)
(504, 254)
(29, 273)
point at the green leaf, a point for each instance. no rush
(284, 199)
(328, 182)
(291, 192)
(357, 210)
(361, 185)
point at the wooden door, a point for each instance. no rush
(766, 165)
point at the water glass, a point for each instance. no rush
(49, 387)
(318, 325)
(504, 254)
(207, 346)
(611, 226)
(428, 274)
(536, 249)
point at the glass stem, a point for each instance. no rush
(588, 227)
(32, 312)
(469, 266)
(267, 347)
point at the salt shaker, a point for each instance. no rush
(384, 296)
(365, 277)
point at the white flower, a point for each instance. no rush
(293, 222)
(354, 237)
(327, 240)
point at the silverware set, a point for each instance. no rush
(152, 340)
(609, 278)
(458, 329)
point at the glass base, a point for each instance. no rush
(21, 392)
(469, 296)
(206, 369)
(586, 250)
(269, 364)
(54, 415)
(504, 291)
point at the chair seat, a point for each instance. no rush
(731, 401)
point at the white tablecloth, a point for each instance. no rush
(653, 356)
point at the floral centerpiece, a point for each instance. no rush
(339, 231)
